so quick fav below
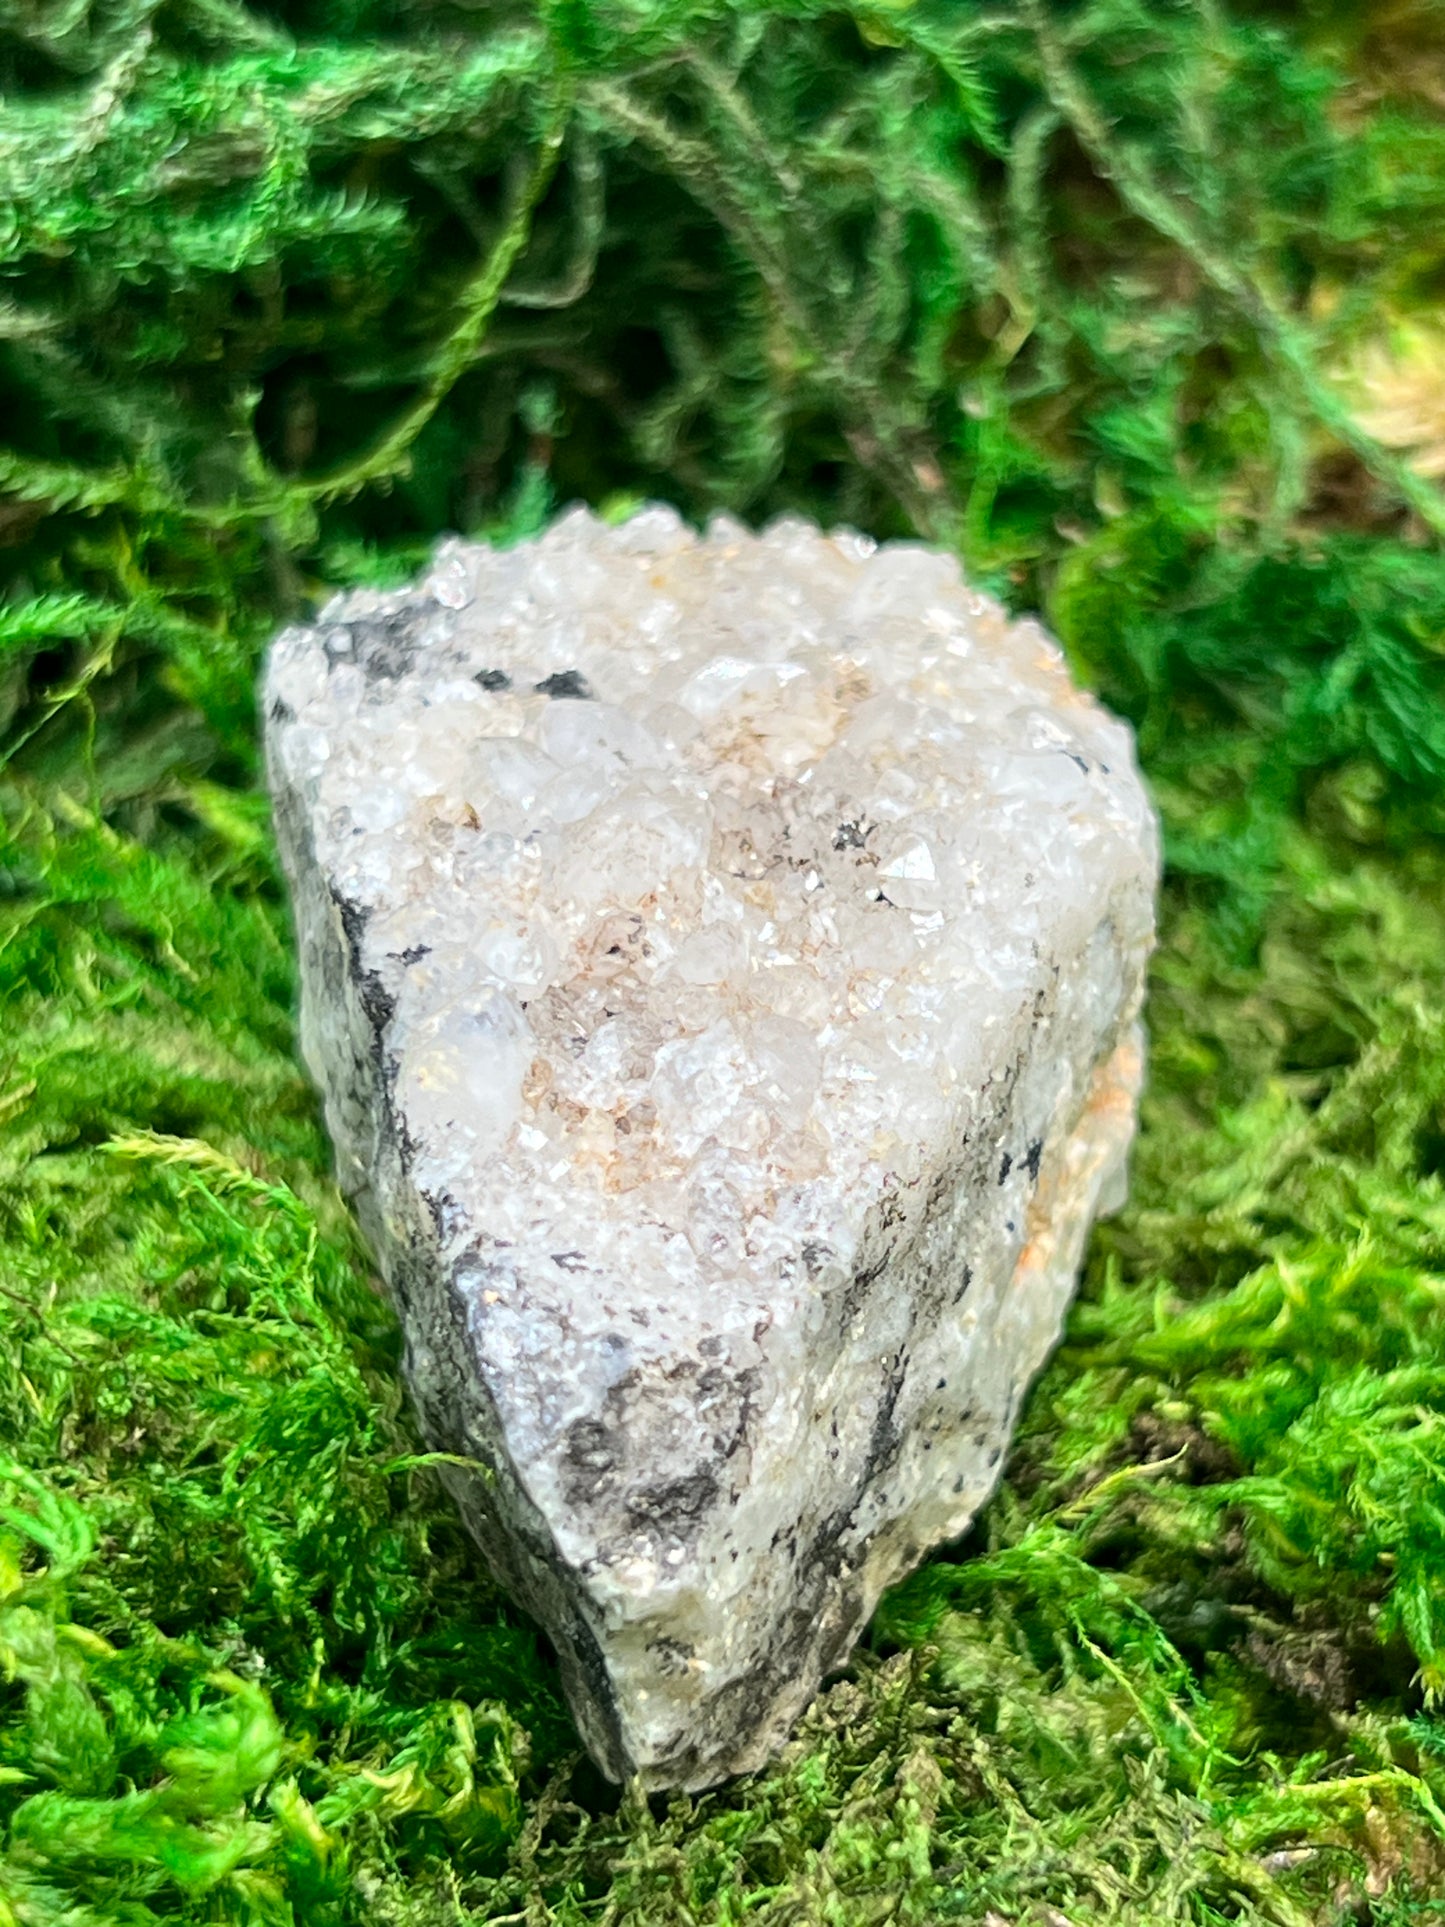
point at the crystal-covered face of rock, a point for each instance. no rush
(714, 951)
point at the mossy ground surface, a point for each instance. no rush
(1133, 304)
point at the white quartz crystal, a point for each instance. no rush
(722, 960)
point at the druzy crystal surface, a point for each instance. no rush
(721, 959)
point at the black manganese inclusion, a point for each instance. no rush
(567, 682)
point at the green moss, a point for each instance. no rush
(1086, 291)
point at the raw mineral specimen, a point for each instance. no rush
(721, 958)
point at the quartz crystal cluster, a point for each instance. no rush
(721, 959)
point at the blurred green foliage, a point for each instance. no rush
(1131, 305)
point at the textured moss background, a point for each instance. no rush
(1138, 305)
